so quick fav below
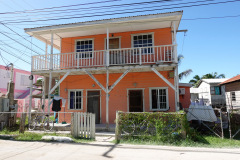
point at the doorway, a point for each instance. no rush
(135, 100)
(115, 55)
(93, 104)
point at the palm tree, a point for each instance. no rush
(213, 75)
(184, 73)
(196, 79)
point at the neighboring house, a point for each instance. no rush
(20, 79)
(210, 91)
(121, 64)
(184, 94)
(232, 89)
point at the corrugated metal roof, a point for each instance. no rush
(214, 80)
(233, 79)
(108, 19)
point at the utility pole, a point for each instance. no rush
(10, 92)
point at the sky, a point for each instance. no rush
(210, 45)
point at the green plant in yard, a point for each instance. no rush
(158, 125)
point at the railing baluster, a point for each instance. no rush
(140, 55)
(164, 54)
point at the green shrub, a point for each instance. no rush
(157, 126)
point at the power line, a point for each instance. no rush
(125, 9)
(21, 36)
(15, 56)
(191, 19)
(127, 12)
(14, 48)
(100, 7)
(114, 10)
(19, 42)
(204, 18)
(9, 62)
(2, 58)
(29, 11)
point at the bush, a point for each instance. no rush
(158, 125)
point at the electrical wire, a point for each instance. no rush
(15, 56)
(19, 42)
(2, 58)
(15, 48)
(9, 62)
(17, 12)
(127, 12)
(73, 10)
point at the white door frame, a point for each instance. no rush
(99, 102)
(129, 89)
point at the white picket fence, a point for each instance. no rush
(83, 125)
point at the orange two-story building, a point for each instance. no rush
(123, 64)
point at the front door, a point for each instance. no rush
(114, 43)
(135, 100)
(93, 104)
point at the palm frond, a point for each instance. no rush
(221, 76)
(180, 57)
(184, 74)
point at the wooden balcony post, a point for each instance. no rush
(176, 79)
(50, 74)
(175, 42)
(140, 56)
(46, 54)
(107, 53)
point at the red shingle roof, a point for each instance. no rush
(236, 78)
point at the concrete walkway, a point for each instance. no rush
(103, 149)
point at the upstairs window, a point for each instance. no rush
(233, 96)
(216, 90)
(145, 41)
(84, 48)
(75, 99)
(159, 99)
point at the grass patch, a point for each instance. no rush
(200, 141)
(30, 136)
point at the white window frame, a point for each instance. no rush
(87, 39)
(232, 96)
(150, 99)
(75, 90)
(132, 43)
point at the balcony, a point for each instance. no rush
(101, 58)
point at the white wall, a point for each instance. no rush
(229, 102)
(204, 92)
(218, 99)
(22, 81)
(4, 78)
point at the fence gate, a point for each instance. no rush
(83, 125)
(208, 119)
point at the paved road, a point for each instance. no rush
(102, 149)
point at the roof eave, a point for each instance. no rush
(104, 21)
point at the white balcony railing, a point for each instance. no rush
(124, 56)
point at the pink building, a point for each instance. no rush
(21, 80)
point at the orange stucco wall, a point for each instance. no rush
(118, 96)
(161, 37)
(185, 99)
(118, 99)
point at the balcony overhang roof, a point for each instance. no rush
(115, 25)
